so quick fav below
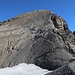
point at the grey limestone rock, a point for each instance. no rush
(39, 37)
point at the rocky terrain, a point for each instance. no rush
(40, 37)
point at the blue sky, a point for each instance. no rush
(64, 8)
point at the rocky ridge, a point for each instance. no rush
(40, 37)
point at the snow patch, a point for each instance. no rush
(23, 69)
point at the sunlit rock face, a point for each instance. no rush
(40, 37)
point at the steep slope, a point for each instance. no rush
(39, 37)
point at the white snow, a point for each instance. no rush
(23, 69)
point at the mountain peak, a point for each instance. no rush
(40, 37)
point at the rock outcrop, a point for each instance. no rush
(39, 37)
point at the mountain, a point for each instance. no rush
(40, 37)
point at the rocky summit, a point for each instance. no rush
(40, 37)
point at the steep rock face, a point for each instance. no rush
(39, 37)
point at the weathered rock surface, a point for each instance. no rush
(39, 37)
(67, 69)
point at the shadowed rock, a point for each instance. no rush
(74, 33)
(67, 69)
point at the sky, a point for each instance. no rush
(64, 8)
